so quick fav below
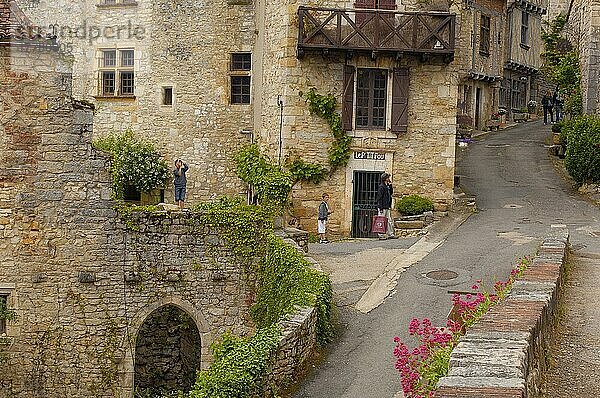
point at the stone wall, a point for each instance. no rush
(80, 281)
(504, 354)
(297, 345)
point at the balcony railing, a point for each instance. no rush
(425, 33)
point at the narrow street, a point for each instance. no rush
(518, 194)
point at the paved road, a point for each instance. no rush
(519, 196)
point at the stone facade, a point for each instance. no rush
(481, 59)
(505, 353)
(80, 281)
(188, 47)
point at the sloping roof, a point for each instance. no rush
(17, 29)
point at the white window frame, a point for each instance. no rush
(118, 68)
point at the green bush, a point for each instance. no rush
(271, 183)
(239, 366)
(582, 159)
(413, 204)
(134, 162)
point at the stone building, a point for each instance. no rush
(86, 290)
(522, 54)
(201, 79)
(481, 55)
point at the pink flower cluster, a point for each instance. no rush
(421, 367)
(412, 363)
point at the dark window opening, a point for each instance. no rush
(484, 35)
(167, 96)
(371, 98)
(131, 194)
(3, 308)
(241, 61)
(108, 83)
(240, 89)
(127, 83)
(524, 28)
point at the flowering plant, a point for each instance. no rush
(422, 367)
(532, 104)
(496, 116)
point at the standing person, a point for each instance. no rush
(558, 104)
(548, 104)
(384, 204)
(324, 213)
(180, 182)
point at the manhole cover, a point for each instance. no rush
(441, 275)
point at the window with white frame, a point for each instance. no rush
(116, 73)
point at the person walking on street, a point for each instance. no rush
(548, 104)
(558, 104)
(324, 213)
(384, 204)
(180, 182)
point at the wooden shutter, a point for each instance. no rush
(400, 100)
(364, 4)
(386, 4)
(348, 98)
(361, 17)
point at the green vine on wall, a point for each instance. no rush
(561, 64)
(338, 153)
(134, 162)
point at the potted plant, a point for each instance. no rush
(415, 212)
(494, 122)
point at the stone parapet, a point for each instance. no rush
(504, 354)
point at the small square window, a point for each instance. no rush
(241, 61)
(109, 58)
(127, 58)
(240, 89)
(167, 96)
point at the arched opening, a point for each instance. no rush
(167, 352)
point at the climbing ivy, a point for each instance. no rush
(561, 65)
(306, 171)
(134, 162)
(325, 106)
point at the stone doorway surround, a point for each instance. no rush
(362, 165)
(127, 366)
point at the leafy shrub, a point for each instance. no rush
(134, 162)
(239, 367)
(414, 204)
(271, 183)
(286, 280)
(582, 159)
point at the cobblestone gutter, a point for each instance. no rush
(504, 354)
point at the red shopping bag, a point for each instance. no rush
(379, 225)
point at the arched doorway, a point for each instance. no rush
(167, 352)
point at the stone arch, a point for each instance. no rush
(127, 366)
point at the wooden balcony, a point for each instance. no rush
(376, 31)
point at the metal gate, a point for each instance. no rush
(364, 205)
